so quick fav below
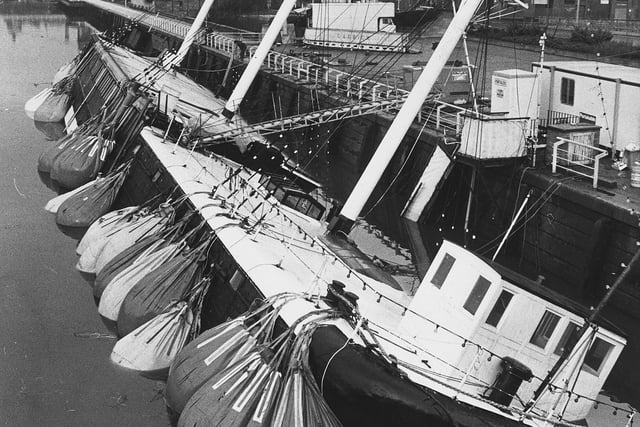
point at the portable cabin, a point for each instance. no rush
(514, 93)
(597, 93)
(521, 326)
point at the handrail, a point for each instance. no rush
(574, 160)
(449, 118)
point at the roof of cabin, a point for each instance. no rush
(552, 296)
(595, 69)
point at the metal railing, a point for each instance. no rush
(340, 82)
(558, 118)
(579, 158)
(440, 116)
(450, 118)
(336, 81)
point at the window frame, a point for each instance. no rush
(495, 305)
(590, 369)
(441, 270)
(476, 296)
(567, 91)
(565, 337)
(555, 320)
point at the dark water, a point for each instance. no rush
(54, 355)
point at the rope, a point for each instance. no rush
(275, 205)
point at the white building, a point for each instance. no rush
(605, 94)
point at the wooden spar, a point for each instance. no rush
(403, 121)
(176, 59)
(258, 58)
(571, 344)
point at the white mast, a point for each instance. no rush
(190, 37)
(258, 58)
(403, 121)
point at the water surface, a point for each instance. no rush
(54, 350)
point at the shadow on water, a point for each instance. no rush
(157, 375)
(75, 233)
(90, 278)
(51, 130)
(45, 178)
(110, 324)
(173, 416)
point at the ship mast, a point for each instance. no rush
(176, 59)
(258, 58)
(403, 121)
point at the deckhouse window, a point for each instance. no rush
(569, 334)
(443, 271)
(567, 90)
(477, 295)
(499, 308)
(596, 356)
(545, 329)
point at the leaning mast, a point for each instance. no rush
(404, 119)
(269, 38)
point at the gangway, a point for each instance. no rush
(304, 120)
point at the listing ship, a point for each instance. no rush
(454, 350)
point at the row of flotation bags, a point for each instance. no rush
(151, 280)
(244, 373)
(84, 205)
(51, 104)
(148, 275)
(152, 275)
(79, 156)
